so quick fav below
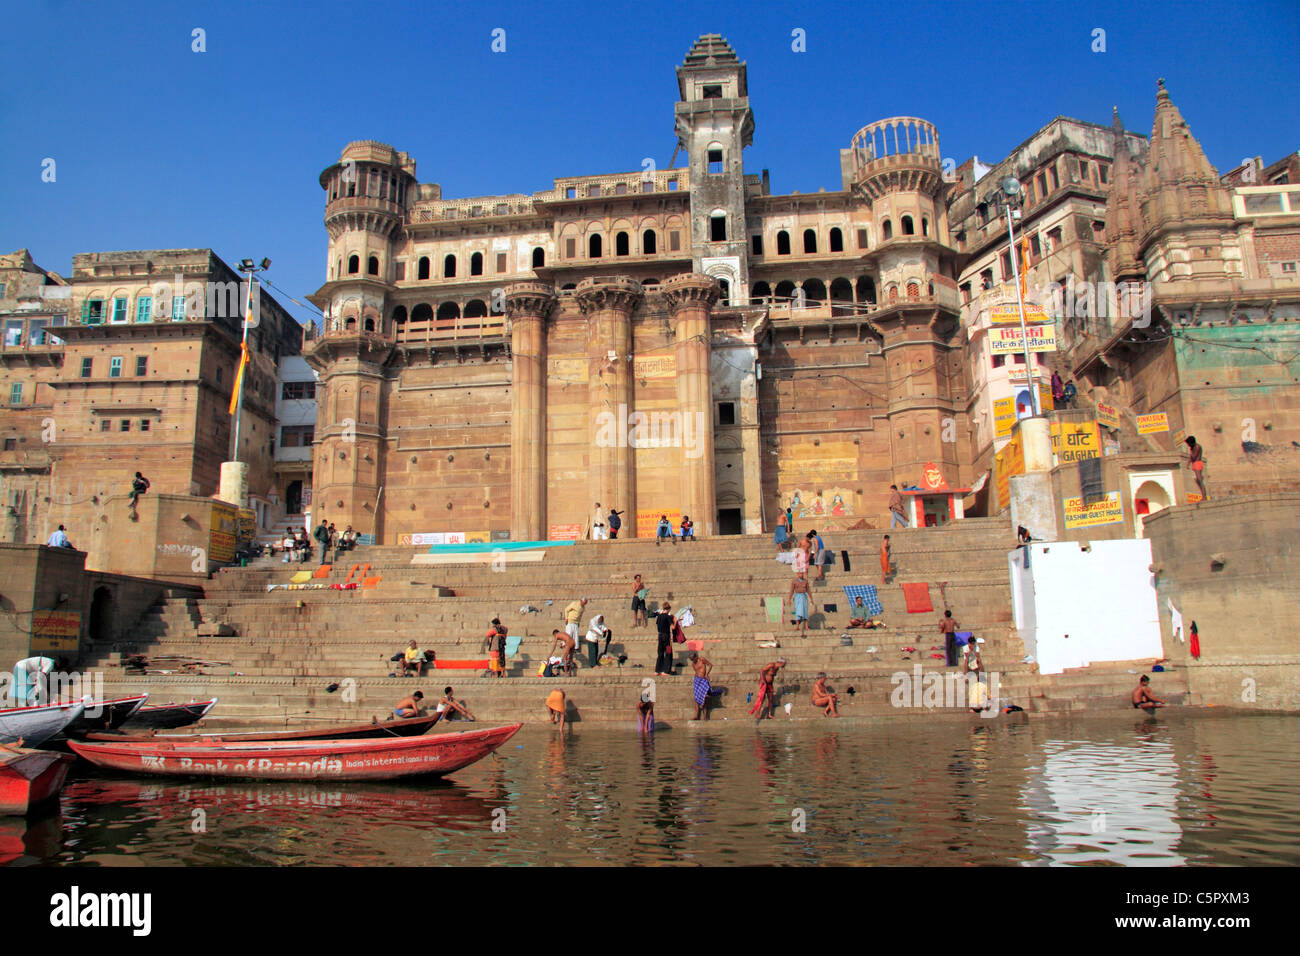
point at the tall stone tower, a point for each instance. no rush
(367, 194)
(714, 125)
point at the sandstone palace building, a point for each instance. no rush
(669, 341)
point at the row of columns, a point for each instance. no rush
(608, 305)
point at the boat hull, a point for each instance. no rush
(35, 725)
(171, 716)
(105, 715)
(29, 778)
(410, 727)
(435, 755)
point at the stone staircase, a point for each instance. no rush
(288, 647)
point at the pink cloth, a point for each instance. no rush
(800, 561)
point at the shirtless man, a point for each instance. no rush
(408, 706)
(566, 645)
(884, 559)
(1196, 461)
(1143, 699)
(638, 601)
(801, 600)
(948, 628)
(767, 688)
(823, 698)
(700, 686)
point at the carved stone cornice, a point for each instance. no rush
(690, 289)
(529, 298)
(606, 293)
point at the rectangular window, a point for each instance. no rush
(13, 333)
(1018, 358)
(144, 424)
(593, 191)
(401, 271)
(16, 393)
(1288, 267)
(757, 243)
(570, 248)
(119, 310)
(1053, 239)
(144, 308)
(1035, 247)
(297, 436)
(125, 425)
(1103, 173)
(502, 209)
(293, 391)
(1006, 265)
(674, 241)
(1053, 178)
(711, 92)
(142, 365)
(965, 292)
(1083, 170)
(178, 308)
(862, 238)
(10, 443)
(672, 185)
(715, 162)
(115, 367)
(718, 229)
(36, 332)
(2, 295)
(1042, 185)
(986, 279)
(93, 312)
(726, 413)
(501, 262)
(620, 189)
(218, 374)
(999, 360)
(571, 192)
(105, 425)
(647, 185)
(87, 367)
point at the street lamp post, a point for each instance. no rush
(1010, 188)
(248, 268)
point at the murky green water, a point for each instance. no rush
(1183, 790)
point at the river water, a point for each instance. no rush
(1187, 789)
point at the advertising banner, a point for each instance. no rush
(221, 533)
(1075, 441)
(565, 532)
(1003, 339)
(1151, 424)
(1010, 315)
(1107, 415)
(1010, 461)
(1109, 511)
(56, 631)
(647, 520)
(1004, 417)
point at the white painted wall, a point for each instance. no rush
(1076, 607)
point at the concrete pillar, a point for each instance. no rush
(527, 305)
(1036, 434)
(608, 303)
(234, 483)
(691, 297)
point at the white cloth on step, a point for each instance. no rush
(686, 618)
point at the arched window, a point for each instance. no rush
(887, 230)
(925, 226)
(621, 244)
(448, 310)
(475, 309)
(908, 228)
(476, 264)
(594, 247)
(338, 268)
(758, 292)
(913, 290)
(784, 291)
(354, 265)
(399, 315)
(809, 241)
(649, 243)
(422, 312)
(866, 289)
(837, 240)
(841, 291)
(370, 325)
(718, 227)
(372, 266)
(650, 283)
(568, 287)
(725, 297)
(423, 272)
(814, 291)
(539, 257)
(714, 156)
(893, 293)
(449, 267)
(783, 243)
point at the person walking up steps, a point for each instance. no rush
(884, 559)
(781, 533)
(896, 516)
(801, 598)
(615, 521)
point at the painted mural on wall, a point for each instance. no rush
(831, 509)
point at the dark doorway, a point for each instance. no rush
(102, 611)
(293, 498)
(729, 521)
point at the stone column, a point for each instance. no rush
(527, 306)
(691, 297)
(608, 303)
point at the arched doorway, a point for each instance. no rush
(103, 612)
(1149, 498)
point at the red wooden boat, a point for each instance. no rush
(388, 759)
(29, 778)
(409, 727)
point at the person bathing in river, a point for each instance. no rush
(700, 686)
(767, 689)
(823, 698)
(1143, 699)
(408, 706)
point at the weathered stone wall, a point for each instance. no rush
(1247, 608)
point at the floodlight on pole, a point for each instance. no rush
(1011, 193)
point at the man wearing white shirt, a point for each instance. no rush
(59, 539)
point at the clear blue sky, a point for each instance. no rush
(157, 146)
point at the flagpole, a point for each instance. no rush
(239, 374)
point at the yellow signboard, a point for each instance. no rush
(1010, 315)
(1075, 441)
(1004, 417)
(56, 631)
(477, 537)
(1042, 338)
(1107, 415)
(1109, 511)
(1010, 461)
(1150, 424)
(647, 520)
(247, 524)
(1045, 401)
(221, 535)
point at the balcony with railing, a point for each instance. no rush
(450, 331)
